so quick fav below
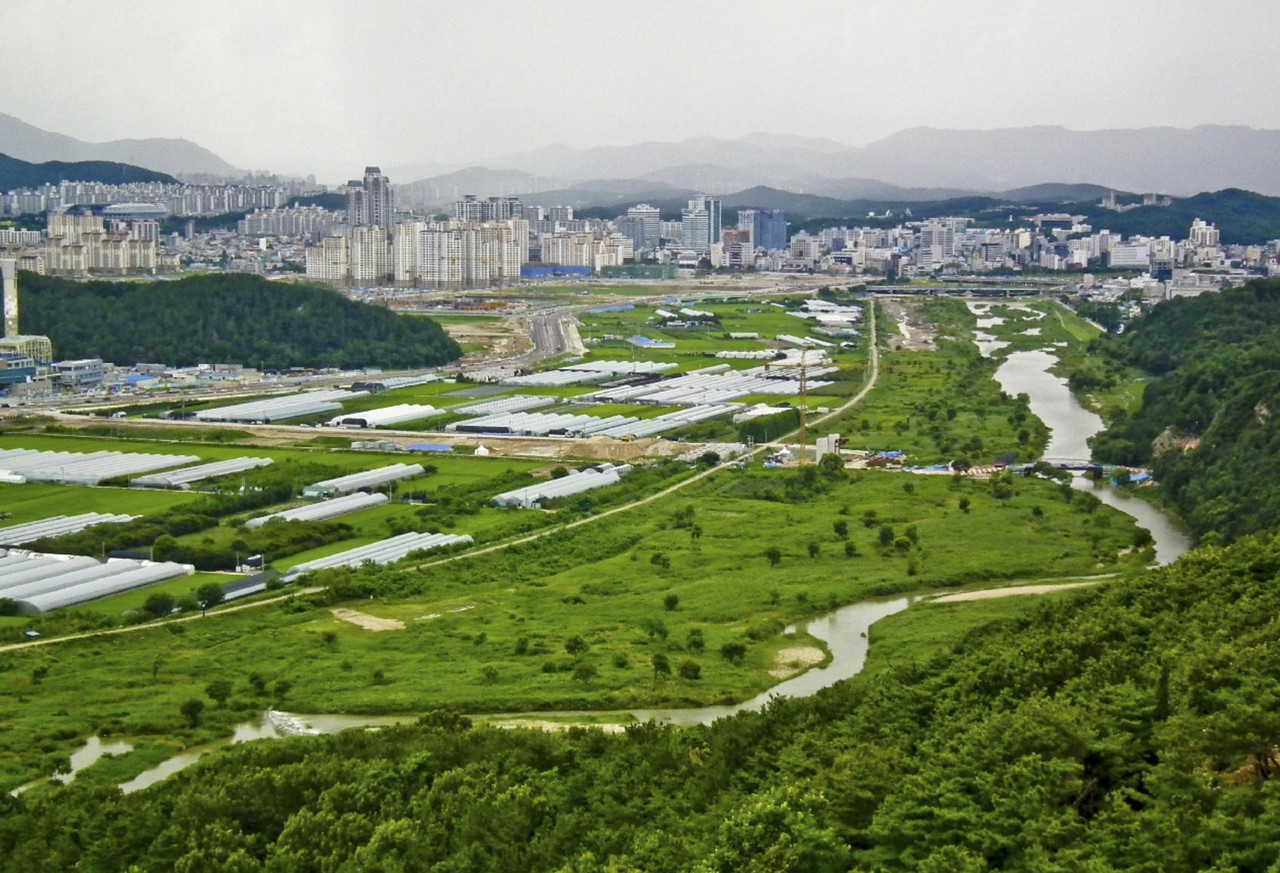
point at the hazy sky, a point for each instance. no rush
(303, 86)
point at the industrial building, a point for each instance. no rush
(38, 348)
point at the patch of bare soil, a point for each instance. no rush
(368, 622)
(913, 332)
(795, 659)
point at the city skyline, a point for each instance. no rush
(462, 85)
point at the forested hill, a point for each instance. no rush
(1128, 727)
(23, 174)
(1215, 362)
(229, 318)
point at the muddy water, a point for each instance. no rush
(845, 633)
(1070, 424)
(85, 756)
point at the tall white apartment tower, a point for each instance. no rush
(650, 219)
(9, 268)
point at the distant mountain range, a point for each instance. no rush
(916, 164)
(22, 174)
(809, 176)
(177, 157)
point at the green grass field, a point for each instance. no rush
(572, 620)
(929, 630)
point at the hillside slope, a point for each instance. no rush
(242, 319)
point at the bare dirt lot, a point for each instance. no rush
(795, 659)
(368, 622)
(911, 331)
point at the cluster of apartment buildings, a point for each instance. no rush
(171, 199)
(496, 240)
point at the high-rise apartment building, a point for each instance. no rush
(650, 221)
(460, 254)
(700, 224)
(769, 229)
(471, 208)
(1203, 235)
(370, 201)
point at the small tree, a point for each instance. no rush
(575, 646)
(191, 710)
(886, 535)
(329, 638)
(733, 652)
(964, 505)
(661, 665)
(209, 596)
(690, 670)
(814, 549)
(283, 687)
(38, 674)
(218, 690)
(841, 528)
(490, 673)
(159, 604)
(584, 673)
(850, 550)
(257, 683)
(522, 646)
(774, 555)
(695, 642)
(670, 602)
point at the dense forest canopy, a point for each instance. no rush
(1215, 363)
(15, 173)
(1130, 726)
(225, 318)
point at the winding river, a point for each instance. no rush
(845, 631)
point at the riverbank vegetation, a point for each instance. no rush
(1207, 423)
(1106, 729)
(710, 575)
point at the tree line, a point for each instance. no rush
(225, 318)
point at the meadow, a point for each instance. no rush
(570, 621)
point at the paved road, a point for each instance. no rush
(133, 628)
